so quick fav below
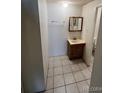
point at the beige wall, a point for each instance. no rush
(42, 5)
(88, 13)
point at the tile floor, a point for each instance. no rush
(67, 76)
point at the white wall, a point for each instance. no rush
(88, 13)
(58, 17)
(42, 5)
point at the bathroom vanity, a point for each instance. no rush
(75, 48)
(75, 45)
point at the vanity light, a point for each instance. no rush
(65, 4)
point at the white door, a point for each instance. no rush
(97, 25)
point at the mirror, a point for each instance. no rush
(75, 24)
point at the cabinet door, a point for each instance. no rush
(77, 50)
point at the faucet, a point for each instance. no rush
(74, 38)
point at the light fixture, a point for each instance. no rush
(65, 4)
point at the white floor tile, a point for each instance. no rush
(49, 91)
(60, 90)
(65, 62)
(49, 83)
(75, 67)
(50, 72)
(79, 76)
(58, 70)
(67, 69)
(72, 88)
(69, 78)
(82, 66)
(58, 81)
(83, 87)
(86, 73)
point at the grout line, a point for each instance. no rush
(68, 84)
(76, 82)
(47, 75)
(64, 77)
(67, 73)
(53, 77)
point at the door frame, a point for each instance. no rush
(95, 38)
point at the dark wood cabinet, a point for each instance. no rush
(75, 50)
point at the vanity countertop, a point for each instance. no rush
(77, 41)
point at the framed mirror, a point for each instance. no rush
(75, 24)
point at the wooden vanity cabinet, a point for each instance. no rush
(75, 50)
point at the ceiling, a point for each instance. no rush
(78, 2)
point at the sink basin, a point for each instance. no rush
(77, 41)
